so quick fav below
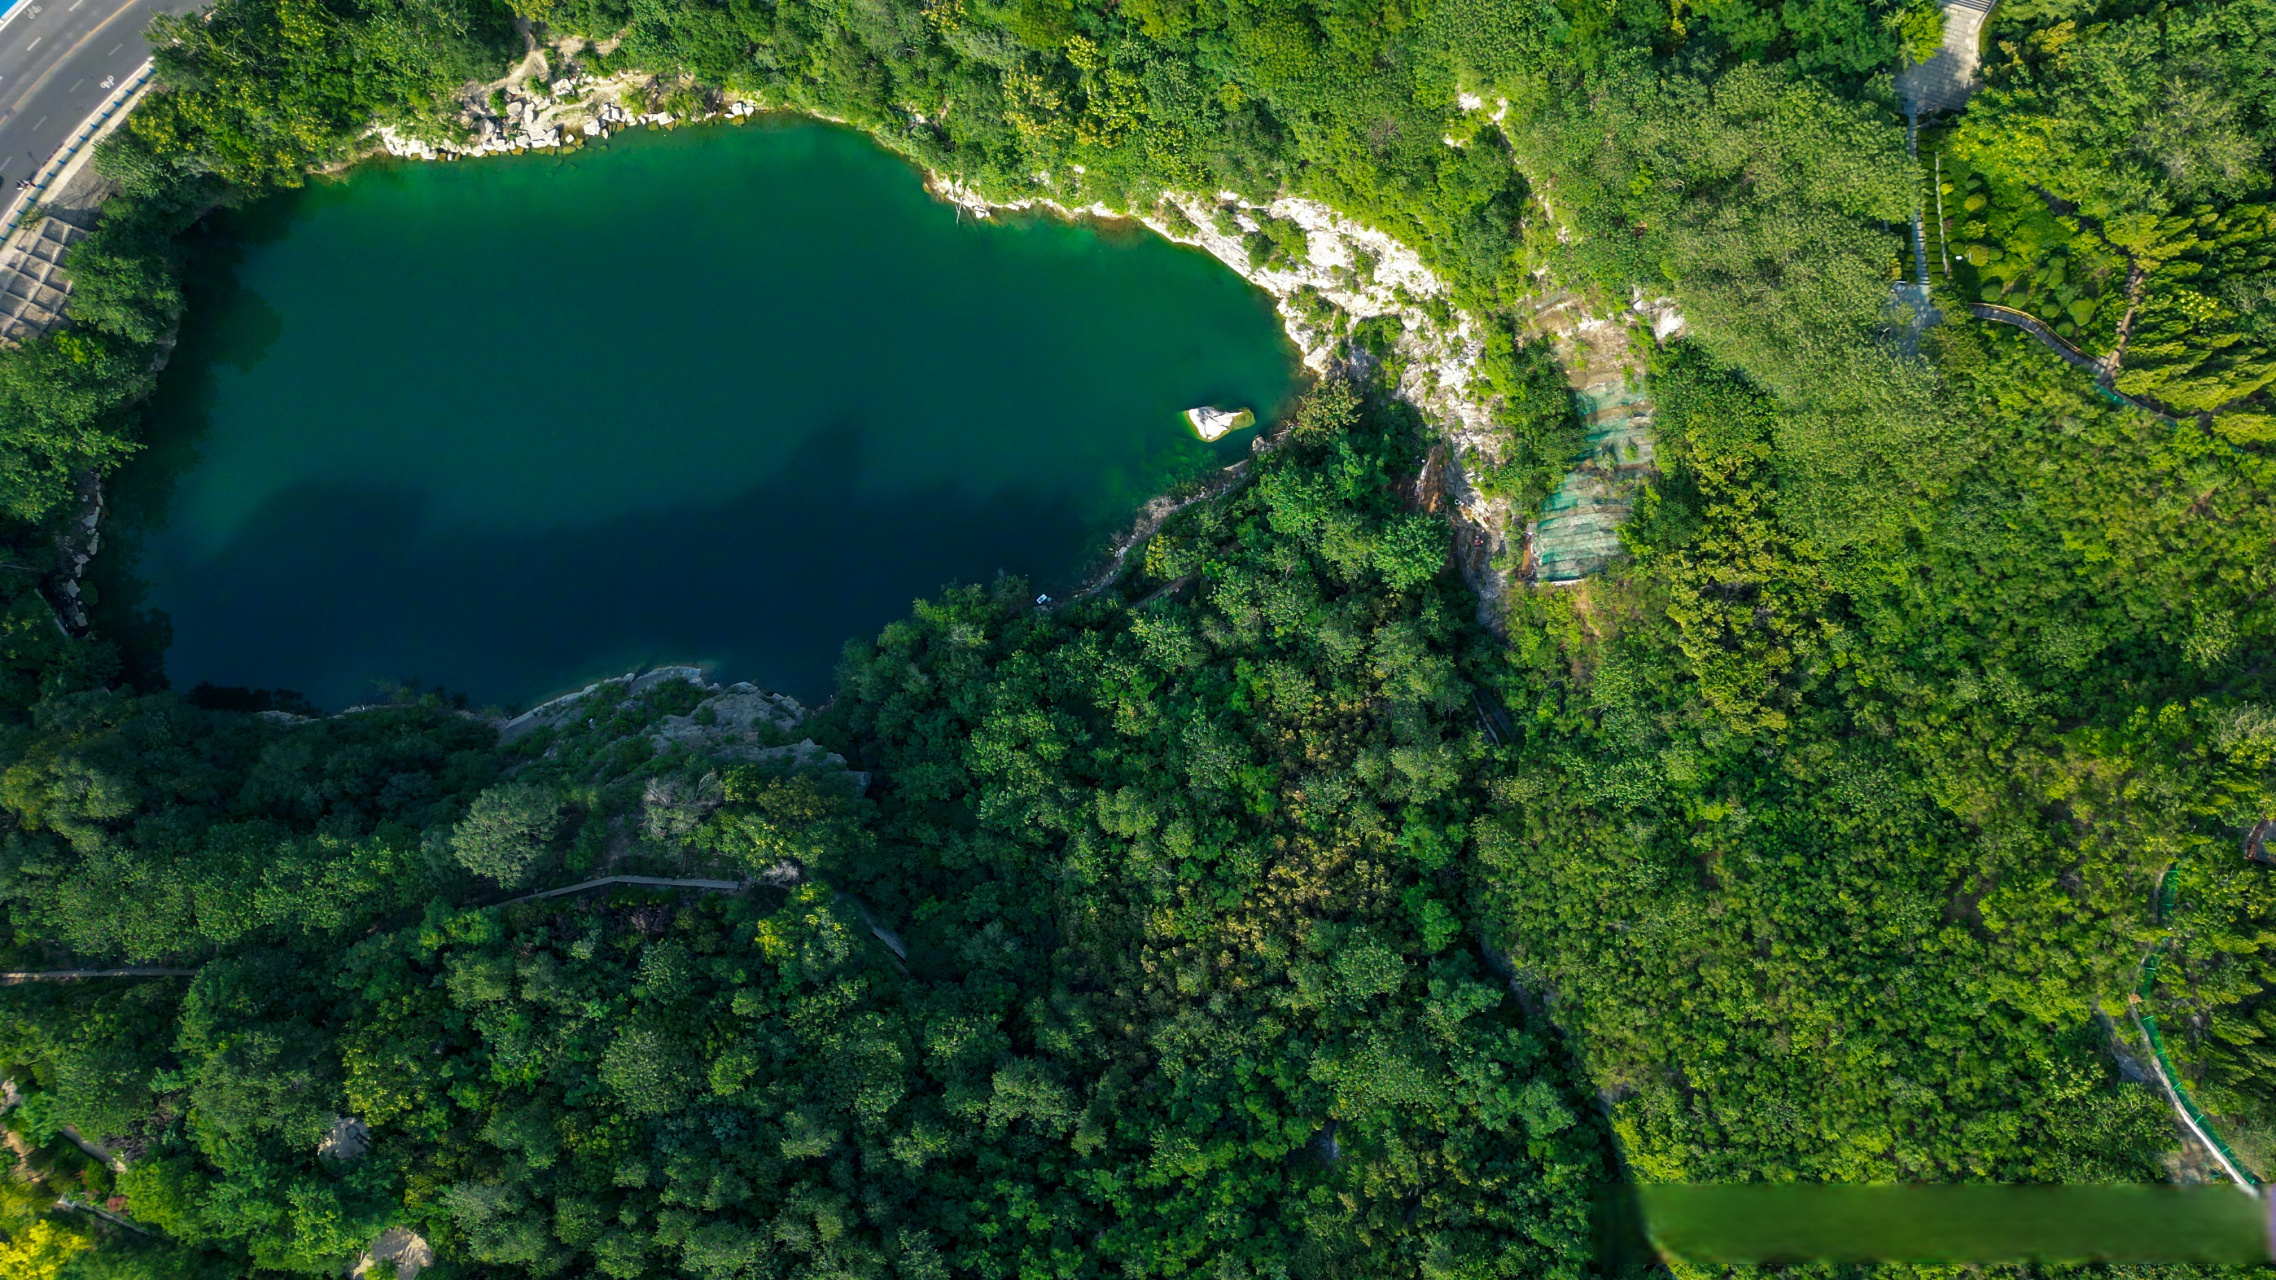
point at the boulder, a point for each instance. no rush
(1212, 423)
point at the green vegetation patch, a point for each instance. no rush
(1267, 912)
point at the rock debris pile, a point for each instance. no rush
(541, 115)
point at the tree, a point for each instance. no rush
(507, 830)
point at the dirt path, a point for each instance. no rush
(10, 979)
(2136, 278)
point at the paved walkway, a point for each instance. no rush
(1944, 82)
(68, 975)
(2185, 1109)
(2093, 368)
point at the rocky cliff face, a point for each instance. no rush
(539, 116)
(733, 724)
(75, 545)
(1347, 275)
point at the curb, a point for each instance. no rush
(66, 163)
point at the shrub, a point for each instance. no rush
(506, 831)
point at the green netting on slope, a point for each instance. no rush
(1577, 531)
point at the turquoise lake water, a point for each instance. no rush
(730, 395)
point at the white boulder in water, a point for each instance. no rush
(1213, 423)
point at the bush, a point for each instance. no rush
(506, 831)
(1412, 550)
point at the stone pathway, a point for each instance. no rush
(1945, 81)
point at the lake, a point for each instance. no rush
(729, 395)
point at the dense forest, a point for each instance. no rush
(1270, 912)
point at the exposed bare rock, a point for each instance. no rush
(1215, 424)
(74, 547)
(742, 715)
(406, 1250)
(348, 1141)
(739, 723)
(571, 706)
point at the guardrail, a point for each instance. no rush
(89, 130)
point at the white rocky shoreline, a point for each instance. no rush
(564, 116)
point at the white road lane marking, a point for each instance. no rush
(75, 6)
(34, 44)
(81, 85)
(55, 65)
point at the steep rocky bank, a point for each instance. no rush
(1361, 274)
(734, 724)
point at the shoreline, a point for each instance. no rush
(1347, 275)
(1328, 277)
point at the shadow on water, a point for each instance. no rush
(341, 589)
(236, 328)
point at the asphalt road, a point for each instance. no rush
(59, 61)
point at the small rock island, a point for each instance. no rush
(1212, 423)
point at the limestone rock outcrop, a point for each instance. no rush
(1215, 424)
